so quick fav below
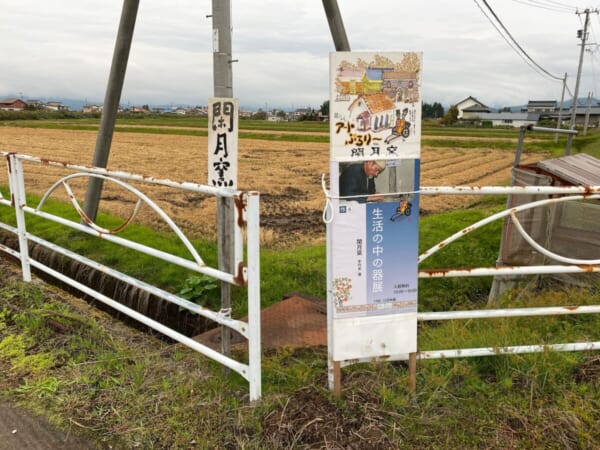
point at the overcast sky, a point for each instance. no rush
(63, 48)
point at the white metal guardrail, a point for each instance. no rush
(569, 265)
(247, 272)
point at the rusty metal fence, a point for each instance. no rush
(247, 269)
(567, 265)
(564, 265)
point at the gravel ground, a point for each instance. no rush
(20, 430)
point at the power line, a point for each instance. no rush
(504, 37)
(569, 90)
(521, 52)
(548, 5)
(564, 5)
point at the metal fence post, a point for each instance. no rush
(254, 340)
(17, 187)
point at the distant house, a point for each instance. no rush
(88, 109)
(583, 114)
(372, 112)
(541, 106)
(275, 118)
(470, 107)
(243, 113)
(138, 110)
(299, 113)
(201, 111)
(34, 103)
(509, 119)
(56, 106)
(12, 104)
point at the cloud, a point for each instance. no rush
(64, 48)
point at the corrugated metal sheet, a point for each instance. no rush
(580, 169)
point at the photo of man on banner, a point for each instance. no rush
(357, 180)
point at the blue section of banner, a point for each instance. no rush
(392, 237)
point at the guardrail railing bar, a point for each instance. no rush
(141, 197)
(547, 252)
(507, 271)
(17, 186)
(509, 312)
(240, 368)
(483, 351)
(253, 275)
(10, 251)
(507, 212)
(185, 263)
(510, 350)
(506, 190)
(247, 207)
(236, 325)
(210, 190)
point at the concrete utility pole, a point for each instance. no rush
(560, 108)
(223, 87)
(222, 73)
(587, 113)
(583, 36)
(336, 25)
(111, 103)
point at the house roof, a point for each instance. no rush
(476, 108)
(542, 103)
(10, 100)
(580, 169)
(580, 110)
(532, 117)
(375, 102)
(471, 98)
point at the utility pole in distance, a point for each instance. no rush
(583, 35)
(560, 108)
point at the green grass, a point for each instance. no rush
(122, 388)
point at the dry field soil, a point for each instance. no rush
(287, 175)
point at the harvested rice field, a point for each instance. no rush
(287, 175)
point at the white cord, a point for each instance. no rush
(328, 207)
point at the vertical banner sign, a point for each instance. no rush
(222, 142)
(375, 128)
